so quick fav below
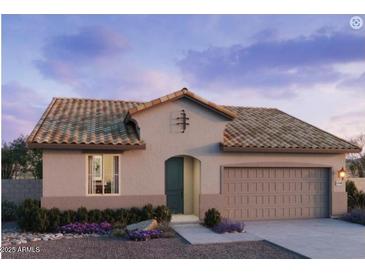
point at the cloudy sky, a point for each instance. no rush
(312, 67)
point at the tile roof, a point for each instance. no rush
(183, 93)
(93, 123)
(85, 122)
(269, 129)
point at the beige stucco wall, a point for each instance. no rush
(142, 172)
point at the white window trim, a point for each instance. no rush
(87, 175)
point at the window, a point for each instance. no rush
(103, 174)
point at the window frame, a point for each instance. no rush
(87, 174)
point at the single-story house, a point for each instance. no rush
(190, 154)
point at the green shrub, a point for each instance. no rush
(121, 216)
(54, 219)
(212, 217)
(355, 198)
(95, 216)
(40, 220)
(81, 215)
(8, 211)
(163, 214)
(147, 212)
(108, 215)
(135, 215)
(67, 217)
(27, 212)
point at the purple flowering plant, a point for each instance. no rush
(86, 228)
(229, 226)
(143, 235)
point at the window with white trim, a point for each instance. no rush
(103, 174)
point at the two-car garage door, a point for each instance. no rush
(254, 193)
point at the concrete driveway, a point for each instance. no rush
(314, 238)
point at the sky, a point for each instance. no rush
(312, 67)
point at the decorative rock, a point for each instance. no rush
(36, 239)
(145, 225)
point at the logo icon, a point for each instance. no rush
(356, 22)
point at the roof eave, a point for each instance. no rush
(289, 150)
(108, 147)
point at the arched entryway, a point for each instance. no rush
(182, 184)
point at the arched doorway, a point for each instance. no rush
(182, 184)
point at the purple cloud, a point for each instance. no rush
(64, 55)
(269, 65)
(21, 108)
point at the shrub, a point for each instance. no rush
(85, 228)
(212, 217)
(8, 211)
(82, 215)
(135, 215)
(40, 220)
(121, 216)
(118, 232)
(147, 212)
(355, 198)
(163, 214)
(67, 217)
(95, 216)
(108, 215)
(143, 235)
(228, 226)
(356, 215)
(26, 213)
(54, 219)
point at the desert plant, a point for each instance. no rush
(95, 216)
(143, 235)
(228, 226)
(8, 211)
(121, 216)
(212, 217)
(85, 228)
(40, 220)
(67, 217)
(162, 214)
(26, 214)
(356, 215)
(355, 198)
(54, 219)
(148, 212)
(118, 232)
(108, 215)
(135, 215)
(82, 215)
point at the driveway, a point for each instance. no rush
(314, 238)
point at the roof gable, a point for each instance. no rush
(184, 93)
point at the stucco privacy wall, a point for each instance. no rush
(18, 190)
(142, 171)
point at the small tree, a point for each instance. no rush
(357, 160)
(16, 158)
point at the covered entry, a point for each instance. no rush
(256, 193)
(182, 184)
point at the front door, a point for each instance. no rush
(174, 184)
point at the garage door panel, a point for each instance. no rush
(275, 193)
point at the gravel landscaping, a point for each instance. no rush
(104, 247)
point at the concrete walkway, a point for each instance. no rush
(314, 238)
(198, 234)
